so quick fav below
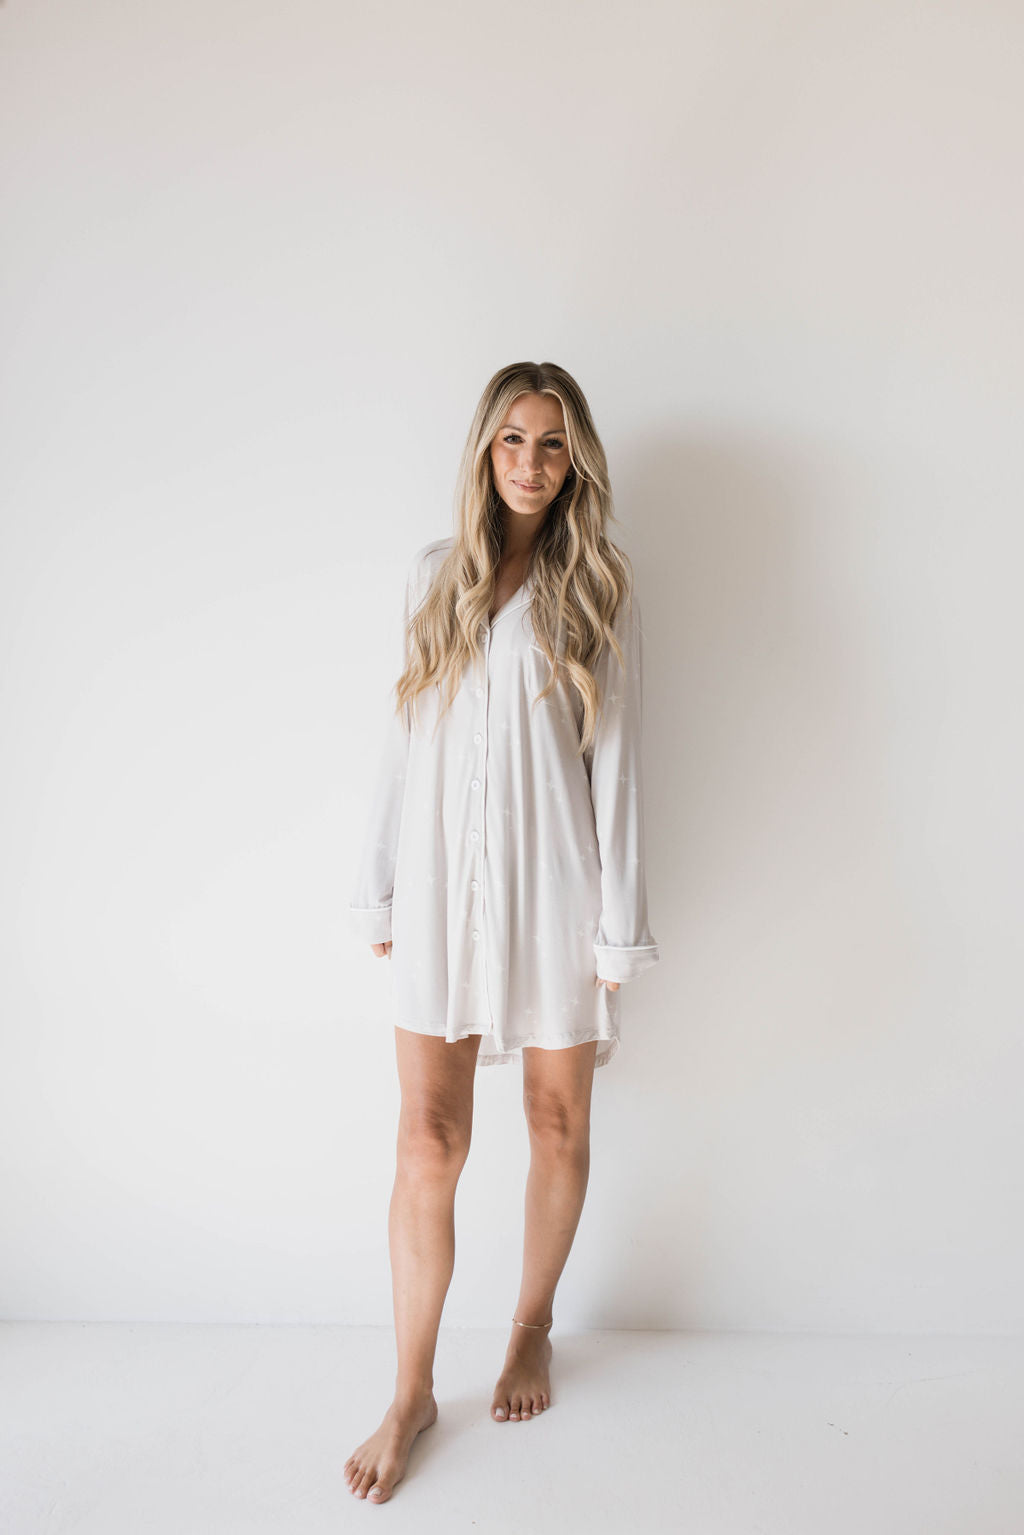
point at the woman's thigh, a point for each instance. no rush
(559, 1083)
(437, 1079)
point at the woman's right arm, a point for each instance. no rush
(373, 887)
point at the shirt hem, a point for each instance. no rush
(514, 1053)
(504, 1054)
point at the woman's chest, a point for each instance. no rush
(508, 585)
(499, 696)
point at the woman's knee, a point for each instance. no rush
(557, 1123)
(435, 1122)
(433, 1141)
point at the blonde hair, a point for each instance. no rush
(579, 576)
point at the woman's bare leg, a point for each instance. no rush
(434, 1130)
(557, 1087)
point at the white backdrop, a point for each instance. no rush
(257, 265)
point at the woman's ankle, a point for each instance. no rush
(411, 1393)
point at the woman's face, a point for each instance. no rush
(530, 450)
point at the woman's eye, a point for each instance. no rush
(514, 437)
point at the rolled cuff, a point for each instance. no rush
(373, 925)
(614, 964)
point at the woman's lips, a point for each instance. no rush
(521, 486)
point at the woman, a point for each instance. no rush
(503, 864)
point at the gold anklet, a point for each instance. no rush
(531, 1324)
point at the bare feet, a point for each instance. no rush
(524, 1385)
(378, 1464)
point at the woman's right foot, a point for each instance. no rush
(373, 1470)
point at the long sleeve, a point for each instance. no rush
(373, 887)
(624, 946)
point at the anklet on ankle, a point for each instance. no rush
(531, 1324)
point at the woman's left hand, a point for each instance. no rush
(611, 985)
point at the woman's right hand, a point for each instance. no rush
(380, 949)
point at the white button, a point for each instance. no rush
(475, 934)
(478, 737)
(474, 884)
(479, 692)
(475, 784)
(475, 836)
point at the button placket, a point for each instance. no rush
(480, 738)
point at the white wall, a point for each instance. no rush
(258, 264)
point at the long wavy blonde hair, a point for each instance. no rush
(579, 576)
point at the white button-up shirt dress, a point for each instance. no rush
(507, 871)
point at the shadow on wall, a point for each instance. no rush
(779, 883)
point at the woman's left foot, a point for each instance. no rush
(524, 1385)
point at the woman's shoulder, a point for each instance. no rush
(425, 564)
(434, 553)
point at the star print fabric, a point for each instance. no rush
(507, 871)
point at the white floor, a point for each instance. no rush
(143, 1429)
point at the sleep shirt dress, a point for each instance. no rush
(507, 871)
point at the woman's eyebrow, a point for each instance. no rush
(554, 431)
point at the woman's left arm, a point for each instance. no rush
(624, 946)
